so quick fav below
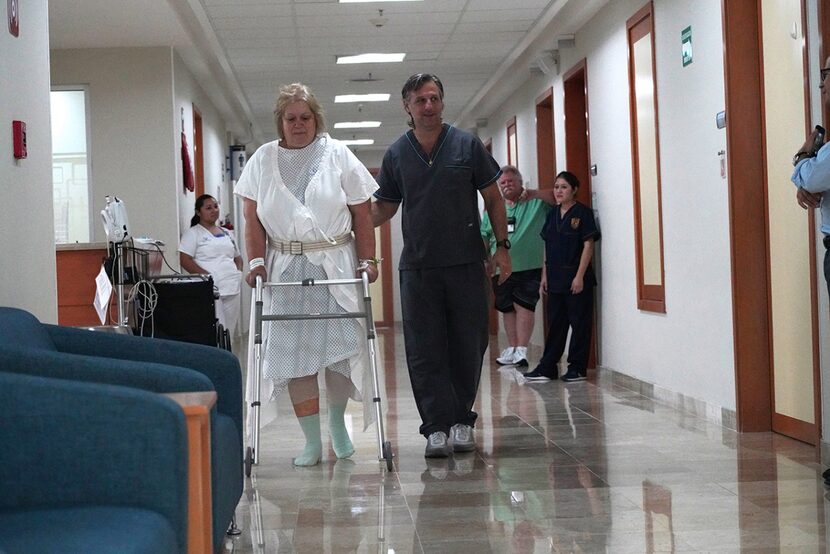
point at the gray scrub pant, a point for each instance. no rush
(445, 320)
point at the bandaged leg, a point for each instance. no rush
(338, 388)
(305, 396)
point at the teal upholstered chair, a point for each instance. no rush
(90, 468)
(30, 347)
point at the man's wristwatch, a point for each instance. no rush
(504, 243)
(800, 156)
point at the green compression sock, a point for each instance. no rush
(313, 444)
(340, 440)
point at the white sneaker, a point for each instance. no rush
(520, 356)
(506, 357)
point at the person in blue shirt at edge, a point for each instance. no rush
(517, 297)
(812, 177)
(568, 280)
(434, 171)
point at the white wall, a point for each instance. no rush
(186, 94)
(27, 250)
(134, 134)
(690, 347)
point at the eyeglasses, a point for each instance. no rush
(823, 73)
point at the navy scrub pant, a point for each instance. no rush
(568, 310)
(445, 319)
(827, 263)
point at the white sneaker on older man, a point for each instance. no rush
(506, 356)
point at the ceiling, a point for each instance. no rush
(242, 50)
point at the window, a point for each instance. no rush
(512, 146)
(70, 164)
(645, 153)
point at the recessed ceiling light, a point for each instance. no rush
(371, 58)
(361, 98)
(367, 1)
(356, 124)
(358, 142)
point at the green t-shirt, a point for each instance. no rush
(526, 245)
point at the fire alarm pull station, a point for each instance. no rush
(19, 139)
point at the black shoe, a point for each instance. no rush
(572, 376)
(537, 375)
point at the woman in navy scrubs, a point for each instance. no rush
(568, 280)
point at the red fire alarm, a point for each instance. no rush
(19, 139)
(14, 19)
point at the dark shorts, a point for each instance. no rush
(521, 288)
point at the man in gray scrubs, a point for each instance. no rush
(435, 171)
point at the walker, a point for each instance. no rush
(384, 446)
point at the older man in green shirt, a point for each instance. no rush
(516, 298)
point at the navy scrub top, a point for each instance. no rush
(564, 238)
(439, 193)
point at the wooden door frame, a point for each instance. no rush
(511, 125)
(748, 220)
(198, 152)
(574, 151)
(385, 268)
(545, 140)
(651, 298)
(545, 172)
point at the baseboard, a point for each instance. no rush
(715, 414)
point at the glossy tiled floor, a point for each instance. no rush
(580, 467)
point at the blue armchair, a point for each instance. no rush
(30, 347)
(90, 468)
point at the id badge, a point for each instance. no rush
(511, 224)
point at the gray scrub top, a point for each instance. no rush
(438, 192)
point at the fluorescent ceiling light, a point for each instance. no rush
(361, 98)
(367, 1)
(356, 124)
(358, 142)
(371, 58)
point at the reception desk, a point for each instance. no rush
(77, 266)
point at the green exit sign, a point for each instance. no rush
(686, 45)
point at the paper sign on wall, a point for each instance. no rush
(686, 45)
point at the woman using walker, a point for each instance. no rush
(306, 203)
(568, 280)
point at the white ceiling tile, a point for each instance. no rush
(272, 42)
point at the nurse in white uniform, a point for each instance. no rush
(207, 248)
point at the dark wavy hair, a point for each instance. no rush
(569, 178)
(199, 203)
(417, 81)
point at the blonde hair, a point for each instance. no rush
(296, 92)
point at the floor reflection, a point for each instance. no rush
(579, 467)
